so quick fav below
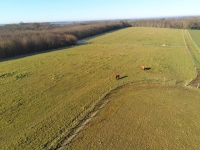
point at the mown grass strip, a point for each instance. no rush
(195, 35)
(193, 49)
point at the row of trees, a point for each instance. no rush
(20, 39)
(20, 44)
(28, 26)
(180, 23)
(25, 38)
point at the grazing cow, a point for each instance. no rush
(143, 68)
(117, 76)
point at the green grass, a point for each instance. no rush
(195, 36)
(195, 50)
(42, 94)
(145, 116)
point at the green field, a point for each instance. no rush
(44, 96)
(193, 41)
(195, 36)
(145, 117)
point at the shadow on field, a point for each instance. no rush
(35, 53)
(123, 77)
(147, 68)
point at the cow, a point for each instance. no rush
(117, 76)
(143, 68)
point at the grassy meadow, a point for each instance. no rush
(145, 116)
(196, 36)
(193, 41)
(41, 95)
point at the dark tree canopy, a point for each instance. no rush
(25, 38)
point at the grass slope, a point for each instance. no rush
(145, 117)
(195, 50)
(195, 36)
(42, 94)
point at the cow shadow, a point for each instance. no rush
(123, 77)
(147, 68)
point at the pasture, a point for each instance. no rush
(44, 96)
(145, 116)
(195, 36)
(193, 42)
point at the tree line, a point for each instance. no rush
(179, 23)
(25, 38)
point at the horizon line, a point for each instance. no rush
(142, 18)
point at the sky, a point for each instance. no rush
(16, 11)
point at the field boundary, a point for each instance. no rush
(90, 111)
(192, 59)
(195, 81)
(193, 41)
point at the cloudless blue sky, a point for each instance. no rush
(15, 11)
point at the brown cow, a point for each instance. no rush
(117, 76)
(143, 68)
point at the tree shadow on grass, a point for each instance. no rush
(35, 53)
